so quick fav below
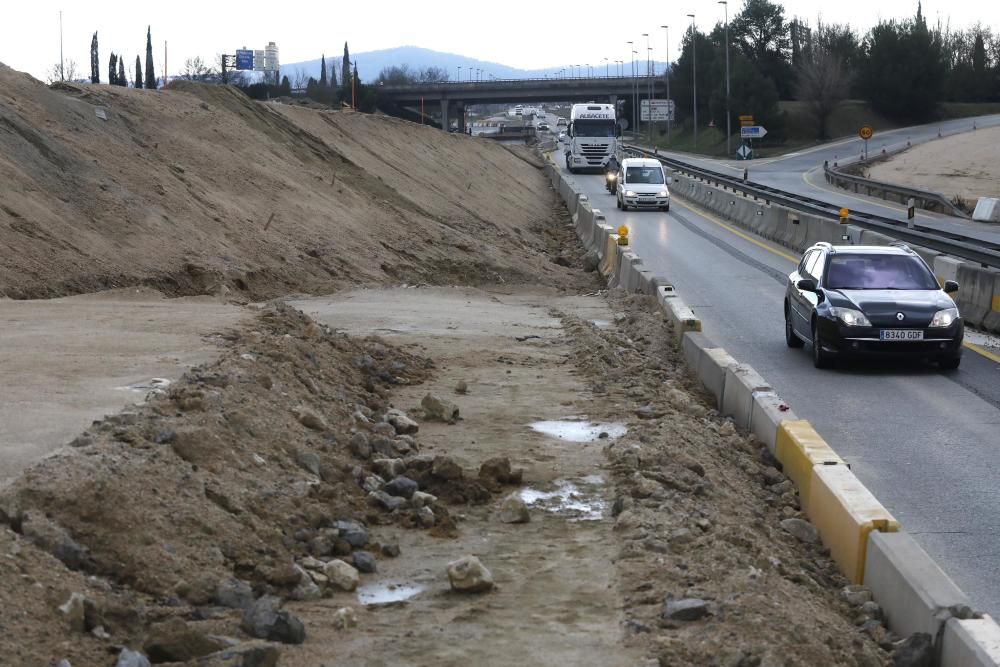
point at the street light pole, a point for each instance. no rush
(460, 74)
(666, 73)
(725, 4)
(607, 71)
(632, 83)
(694, 78)
(649, 107)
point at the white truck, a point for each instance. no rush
(592, 136)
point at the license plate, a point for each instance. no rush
(901, 334)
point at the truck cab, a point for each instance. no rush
(592, 136)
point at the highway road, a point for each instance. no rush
(801, 172)
(926, 443)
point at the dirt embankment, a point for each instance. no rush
(197, 189)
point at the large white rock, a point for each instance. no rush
(341, 575)
(468, 575)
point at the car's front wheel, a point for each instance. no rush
(950, 363)
(791, 340)
(821, 359)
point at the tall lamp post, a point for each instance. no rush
(725, 4)
(460, 74)
(649, 108)
(632, 83)
(607, 70)
(694, 78)
(666, 72)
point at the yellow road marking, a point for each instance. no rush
(745, 237)
(978, 350)
(795, 260)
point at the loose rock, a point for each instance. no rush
(401, 486)
(354, 534)
(469, 575)
(308, 460)
(461, 387)
(75, 612)
(421, 499)
(310, 418)
(390, 550)
(341, 575)
(385, 501)
(265, 620)
(514, 510)
(686, 609)
(344, 618)
(176, 641)
(802, 530)
(444, 467)
(917, 650)
(365, 562)
(856, 595)
(360, 447)
(129, 658)
(438, 409)
(234, 593)
(244, 655)
(403, 424)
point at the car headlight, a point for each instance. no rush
(663, 194)
(944, 318)
(629, 193)
(851, 317)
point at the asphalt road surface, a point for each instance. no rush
(927, 443)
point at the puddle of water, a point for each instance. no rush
(385, 593)
(578, 431)
(568, 499)
(601, 324)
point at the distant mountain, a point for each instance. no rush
(372, 62)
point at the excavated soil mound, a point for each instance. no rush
(198, 189)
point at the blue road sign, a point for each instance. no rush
(244, 59)
(752, 132)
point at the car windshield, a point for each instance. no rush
(644, 175)
(894, 272)
(594, 128)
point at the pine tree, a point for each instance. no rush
(322, 71)
(113, 69)
(138, 72)
(122, 81)
(150, 74)
(345, 72)
(95, 64)
(286, 86)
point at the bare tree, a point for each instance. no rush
(67, 72)
(823, 83)
(300, 78)
(195, 69)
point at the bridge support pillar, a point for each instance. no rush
(460, 116)
(444, 115)
(613, 101)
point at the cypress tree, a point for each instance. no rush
(138, 72)
(322, 71)
(113, 69)
(286, 86)
(150, 74)
(95, 65)
(122, 81)
(345, 72)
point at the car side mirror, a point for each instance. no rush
(950, 286)
(806, 285)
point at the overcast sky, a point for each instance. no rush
(520, 34)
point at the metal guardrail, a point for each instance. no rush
(956, 245)
(924, 199)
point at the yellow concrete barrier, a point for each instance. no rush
(799, 447)
(845, 512)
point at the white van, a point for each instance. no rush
(642, 184)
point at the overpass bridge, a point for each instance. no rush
(452, 97)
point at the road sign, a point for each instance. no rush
(244, 59)
(752, 132)
(662, 110)
(746, 121)
(744, 152)
(866, 132)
